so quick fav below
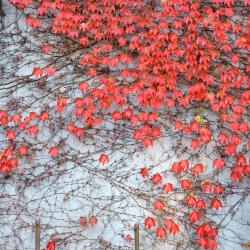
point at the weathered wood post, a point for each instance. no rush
(246, 245)
(136, 229)
(1, 8)
(2, 14)
(37, 233)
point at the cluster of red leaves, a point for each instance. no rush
(7, 160)
(241, 169)
(14, 125)
(198, 205)
(87, 221)
(39, 72)
(207, 236)
(165, 56)
(161, 232)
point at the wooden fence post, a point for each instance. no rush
(37, 233)
(136, 229)
(246, 245)
(2, 14)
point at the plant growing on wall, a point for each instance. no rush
(123, 77)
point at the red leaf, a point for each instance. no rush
(201, 204)
(37, 72)
(10, 135)
(44, 116)
(3, 117)
(12, 162)
(241, 160)
(16, 118)
(50, 70)
(159, 204)
(149, 222)
(197, 169)
(33, 130)
(186, 184)
(156, 179)
(147, 142)
(218, 189)
(34, 22)
(191, 201)
(178, 125)
(54, 151)
(92, 220)
(51, 245)
(83, 86)
(83, 221)
(127, 113)
(167, 187)
(236, 173)
(207, 187)
(144, 172)
(46, 48)
(160, 232)
(218, 163)
(195, 144)
(169, 223)
(194, 216)
(23, 150)
(61, 104)
(215, 203)
(103, 159)
(203, 242)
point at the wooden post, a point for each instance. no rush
(1, 8)
(136, 229)
(37, 234)
(246, 245)
(2, 14)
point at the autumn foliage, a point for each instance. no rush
(178, 67)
